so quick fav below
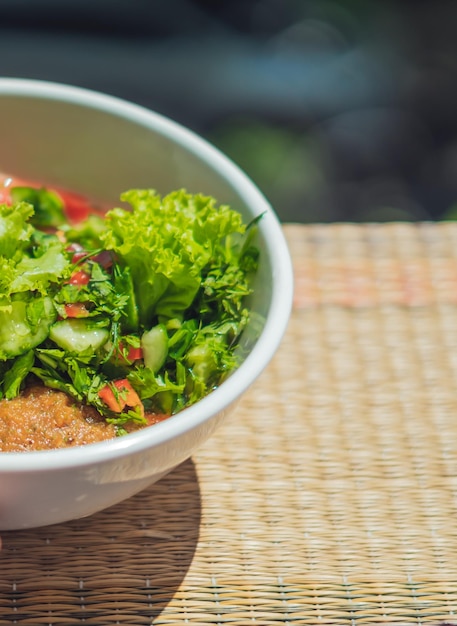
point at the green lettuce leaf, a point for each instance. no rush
(15, 229)
(38, 272)
(16, 374)
(169, 244)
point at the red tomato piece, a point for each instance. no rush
(128, 354)
(129, 394)
(104, 258)
(76, 309)
(106, 394)
(79, 278)
(126, 396)
(77, 208)
(78, 252)
(74, 247)
(134, 354)
(78, 256)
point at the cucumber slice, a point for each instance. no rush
(25, 325)
(154, 343)
(76, 335)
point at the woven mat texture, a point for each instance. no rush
(329, 497)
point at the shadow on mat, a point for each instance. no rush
(122, 565)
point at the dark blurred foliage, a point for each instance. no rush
(338, 110)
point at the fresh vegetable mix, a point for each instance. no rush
(134, 312)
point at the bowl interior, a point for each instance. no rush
(79, 144)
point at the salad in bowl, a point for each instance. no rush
(145, 285)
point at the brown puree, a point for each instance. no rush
(45, 419)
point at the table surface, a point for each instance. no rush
(329, 496)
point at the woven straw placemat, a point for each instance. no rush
(329, 497)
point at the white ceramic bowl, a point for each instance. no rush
(101, 146)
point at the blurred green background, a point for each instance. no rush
(340, 110)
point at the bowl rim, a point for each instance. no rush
(277, 317)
